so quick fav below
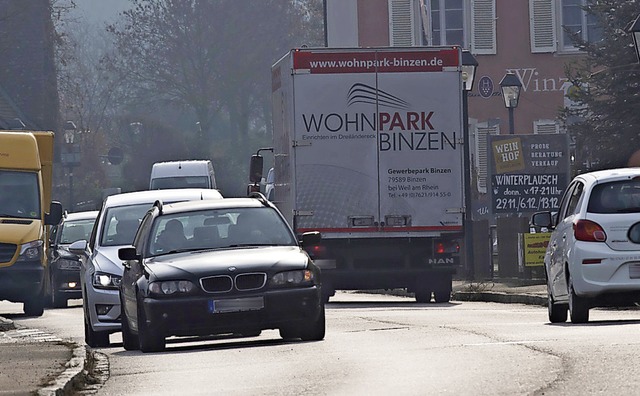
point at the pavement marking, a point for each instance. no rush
(34, 335)
(506, 343)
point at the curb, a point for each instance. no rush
(500, 297)
(72, 377)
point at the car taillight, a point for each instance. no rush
(588, 231)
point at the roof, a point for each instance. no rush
(612, 173)
(150, 196)
(213, 204)
(92, 214)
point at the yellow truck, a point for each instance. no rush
(26, 211)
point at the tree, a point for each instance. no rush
(606, 120)
(212, 59)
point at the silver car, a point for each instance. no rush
(101, 270)
(593, 256)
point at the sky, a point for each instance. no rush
(100, 11)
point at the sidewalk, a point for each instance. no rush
(31, 366)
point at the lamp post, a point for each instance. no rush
(634, 29)
(70, 158)
(469, 65)
(510, 86)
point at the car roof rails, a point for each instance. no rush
(158, 204)
(260, 197)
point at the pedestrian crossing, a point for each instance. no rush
(27, 335)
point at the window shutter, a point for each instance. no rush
(482, 132)
(542, 18)
(542, 127)
(483, 27)
(401, 21)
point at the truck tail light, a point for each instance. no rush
(588, 231)
(447, 247)
(317, 251)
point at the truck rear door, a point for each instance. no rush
(377, 141)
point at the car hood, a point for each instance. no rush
(227, 261)
(106, 260)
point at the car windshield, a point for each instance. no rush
(121, 223)
(76, 230)
(615, 197)
(19, 195)
(219, 228)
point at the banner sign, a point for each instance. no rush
(528, 172)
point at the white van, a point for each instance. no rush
(182, 174)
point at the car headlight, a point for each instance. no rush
(65, 264)
(31, 251)
(293, 278)
(102, 280)
(166, 288)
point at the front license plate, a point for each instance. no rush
(236, 305)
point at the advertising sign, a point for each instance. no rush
(534, 247)
(528, 172)
(378, 140)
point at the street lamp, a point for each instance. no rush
(635, 30)
(469, 65)
(510, 86)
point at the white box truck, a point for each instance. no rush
(367, 148)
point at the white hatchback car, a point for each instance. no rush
(593, 256)
(101, 269)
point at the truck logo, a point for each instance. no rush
(362, 93)
(449, 260)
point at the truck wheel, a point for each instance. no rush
(34, 306)
(442, 296)
(423, 296)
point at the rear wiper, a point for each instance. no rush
(629, 210)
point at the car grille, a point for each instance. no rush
(217, 284)
(251, 281)
(241, 282)
(7, 250)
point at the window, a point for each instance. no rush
(576, 21)
(447, 22)
(468, 23)
(554, 21)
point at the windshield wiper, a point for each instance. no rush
(11, 216)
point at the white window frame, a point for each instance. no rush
(545, 127)
(466, 8)
(569, 47)
(403, 26)
(481, 132)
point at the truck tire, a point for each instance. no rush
(34, 306)
(423, 296)
(442, 296)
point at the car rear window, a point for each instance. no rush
(615, 197)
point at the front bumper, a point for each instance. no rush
(62, 281)
(111, 320)
(21, 281)
(194, 316)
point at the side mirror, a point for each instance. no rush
(542, 219)
(78, 247)
(311, 238)
(55, 214)
(255, 168)
(128, 253)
